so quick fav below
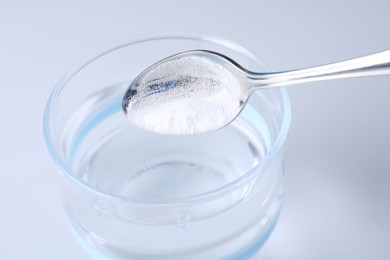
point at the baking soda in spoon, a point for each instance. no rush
(183, 96)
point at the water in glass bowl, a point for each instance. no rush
(166, 206)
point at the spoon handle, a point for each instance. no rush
(371, 65)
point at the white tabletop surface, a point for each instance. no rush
(338, 150)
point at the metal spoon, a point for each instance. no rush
(200, 91)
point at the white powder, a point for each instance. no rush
(184, 96)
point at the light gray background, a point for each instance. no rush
(337, 154)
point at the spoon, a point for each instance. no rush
(201, 91)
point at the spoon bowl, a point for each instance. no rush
(188, 93)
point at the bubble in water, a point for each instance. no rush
(183, 219)
(103, 208)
